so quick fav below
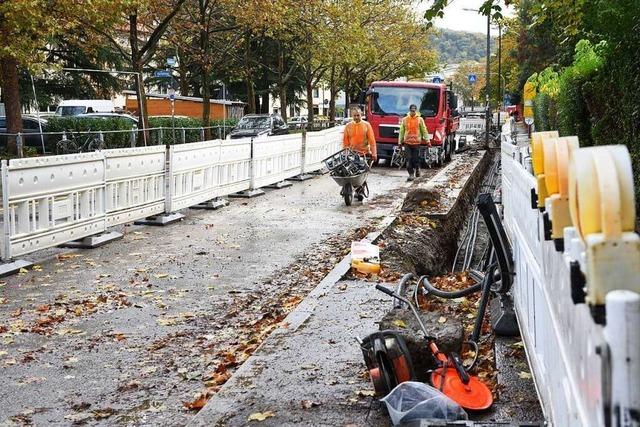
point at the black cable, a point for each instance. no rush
(400, 289)
(429, 288)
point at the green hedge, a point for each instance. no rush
(166, 135)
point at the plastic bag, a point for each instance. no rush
(365, 257)
(412, 400)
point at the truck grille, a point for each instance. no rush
(389, 131)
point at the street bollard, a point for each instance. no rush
(201, 134)
(101, 139)
(183, 134)
(160, 136)
(132, 137)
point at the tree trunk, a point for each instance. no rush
(309, 103)
(347, 100)
(143, 121)
(251, 97)
(283, 100)
(11, 94)
(282, 84)
(264, 107)
(333, 91)
(206, 103)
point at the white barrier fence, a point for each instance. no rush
(471, 125)
(586, 374)
(48, 201)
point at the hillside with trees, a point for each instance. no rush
(454, 47)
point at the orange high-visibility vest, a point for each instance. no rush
(360, 138)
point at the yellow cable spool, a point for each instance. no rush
(550, 165)
(537, 155)
(601, 198)
(564, 147)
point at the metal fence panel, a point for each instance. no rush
(471, 125)
(560, 337)
(51, 200)
(135, 183)
(276, 158)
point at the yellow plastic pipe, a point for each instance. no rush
(537, 155)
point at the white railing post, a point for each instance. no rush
(6, 214)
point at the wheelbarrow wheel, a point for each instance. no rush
(347, 193)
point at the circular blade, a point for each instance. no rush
(475, 395)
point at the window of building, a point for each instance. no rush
(316, 92)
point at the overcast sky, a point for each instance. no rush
(456, 18)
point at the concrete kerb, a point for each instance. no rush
(293, 322)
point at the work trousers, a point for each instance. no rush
(412, 154)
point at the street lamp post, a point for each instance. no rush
(488, 78)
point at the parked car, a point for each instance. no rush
(30, 129)
(74, 107)
(298, 122)
(253, 125)
(120, 116)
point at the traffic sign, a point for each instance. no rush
(162, 74)
(437, 80)
(472, 78)
(171, 61)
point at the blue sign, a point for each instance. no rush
(472, 78)
(507, 99)
(437, 80)
(162, 74)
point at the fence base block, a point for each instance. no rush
(95, 241)
(279, 185)
(301, 177)
(503, 317)
(13, 267)
(248, 194)
(161, 220)
(212, 204)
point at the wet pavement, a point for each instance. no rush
(132, 332)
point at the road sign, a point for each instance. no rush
(437, 80)
(172, 94)
(472, 78)
(162, 74)
(171, 61)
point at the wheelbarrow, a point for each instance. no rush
(349, 170)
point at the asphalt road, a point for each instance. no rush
(129, 332)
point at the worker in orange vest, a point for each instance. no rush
(412, 132)
(358, 135)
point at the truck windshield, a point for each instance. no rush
(396, 100)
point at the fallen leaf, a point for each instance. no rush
(23, 271)
(308, 404)
(366, 393)
(149, 369)
(10, 362)
(3, 353)
(43, 308)
(518, 344)
(3, 300)
(196, 404)
(442, 319)
(261, 416)
(524, 375)
(400, 323)
(161, 275)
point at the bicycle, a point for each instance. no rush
(79, 143)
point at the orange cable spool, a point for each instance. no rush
(474, 395)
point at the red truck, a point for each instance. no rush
(388, 102)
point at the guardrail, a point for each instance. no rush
(586, 372)
(48, 201)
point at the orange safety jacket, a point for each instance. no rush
(413, 130)
(360, 138)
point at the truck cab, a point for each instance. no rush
(388, 102)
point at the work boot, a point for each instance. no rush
(410, 176)
(410, 179)
(418, 173)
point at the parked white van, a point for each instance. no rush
(73, 107)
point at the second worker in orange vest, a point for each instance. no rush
(358, 135)
(412, 132)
